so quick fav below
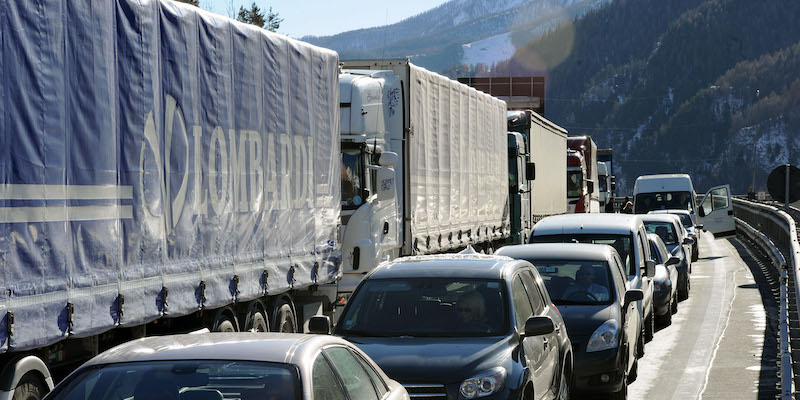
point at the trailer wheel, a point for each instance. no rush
(285, 320)
(257, 323)
(30, 387)
(225, 324)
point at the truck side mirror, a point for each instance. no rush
(530, 171)
(590, 186)
(386, 183)
(613, 184)
(389, 159)
(701, 212)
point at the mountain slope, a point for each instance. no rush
(638, 74)
(434, 39)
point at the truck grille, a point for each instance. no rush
(426, 391)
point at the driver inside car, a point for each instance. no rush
(584, 286)
(471, 311)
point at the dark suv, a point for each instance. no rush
(461, 326)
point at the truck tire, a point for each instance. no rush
(257, 322)
(225, 324)
(284, 318)
(30, 387)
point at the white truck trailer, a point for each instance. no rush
(424, 166)
(162, 170)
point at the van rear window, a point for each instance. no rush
(646, 202)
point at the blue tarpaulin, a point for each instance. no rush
(148, 146)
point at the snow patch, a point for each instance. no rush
(489, 51)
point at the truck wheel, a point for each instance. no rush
(225, 324)
(257, 323)
(30, 387)
(285, 320)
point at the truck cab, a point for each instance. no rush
(577, 184)
(604, 181)
(371, 119)
(519, 191)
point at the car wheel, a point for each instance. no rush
(30, 387)
(633, 374)
(563, 385)
(622, 394)
(695, 254)
(640, 344)
(674, 307)
(649, 327)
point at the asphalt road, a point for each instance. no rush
(721, 343)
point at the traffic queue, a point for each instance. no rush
(565, 315)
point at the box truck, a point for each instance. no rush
(162, 169)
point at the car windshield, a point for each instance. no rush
(576, 282)
(436, 307)
(686, 220)
(574, 184)
(622, 243)
(184, 380)
(646, 202)
(664, 230)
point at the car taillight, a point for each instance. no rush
(581, 207)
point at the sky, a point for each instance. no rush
(327, 17)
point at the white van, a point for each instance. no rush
(676, 192)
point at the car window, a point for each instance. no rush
(665, 230)
(656, 254)
(533, 292)
(576, 281)
(619, 279)
(522, 306)
(355, 378)
(173, 380)
(640, 249)
(325, 384)
(380, 385)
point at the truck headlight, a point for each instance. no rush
(484, 384)
(605, 337)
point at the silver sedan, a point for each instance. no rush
(217, 366)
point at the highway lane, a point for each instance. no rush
(715, 346)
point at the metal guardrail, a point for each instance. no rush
(776, 232)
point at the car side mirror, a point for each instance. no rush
(701, 212)
(537, 326)
(701, 227)
(649, 268)
(386, 183)
(688, 241)
(672, 261)
(319, 324)
(633, 295)
(530, 171)
(590, 186)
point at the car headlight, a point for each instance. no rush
(605, 337)
(484, 384)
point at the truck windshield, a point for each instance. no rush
(352, 178)
(646, 202)
(173, 380)
(426, 307)
(576, 282)
(622, 243)
(574, 184)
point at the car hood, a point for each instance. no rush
(440, 360)
(582, 321)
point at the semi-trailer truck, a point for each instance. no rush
(607, 180)
(162, 170)
(588, 150)
(432, 156)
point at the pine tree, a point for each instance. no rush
(270, 20)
